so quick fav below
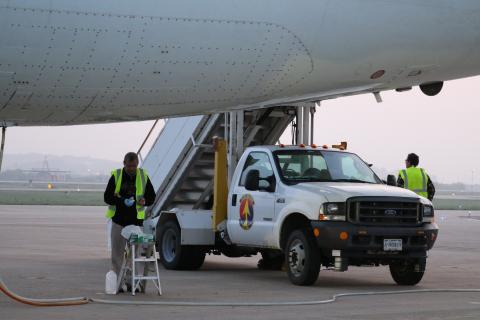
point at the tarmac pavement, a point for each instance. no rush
(55, 251)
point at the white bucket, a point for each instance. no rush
(111, 282)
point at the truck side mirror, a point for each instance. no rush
(271, 184)
(391, 180)
(252, 180)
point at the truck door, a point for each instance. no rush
(251, 213)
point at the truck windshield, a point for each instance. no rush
(297, 166)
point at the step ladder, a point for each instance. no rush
(140, 250)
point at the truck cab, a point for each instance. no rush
(306, 207)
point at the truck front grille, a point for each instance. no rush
(378, 211)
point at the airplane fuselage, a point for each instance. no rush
(77, 62)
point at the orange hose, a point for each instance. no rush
(43, 302)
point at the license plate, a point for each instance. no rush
(392, 244)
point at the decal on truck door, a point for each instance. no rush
(246, 212)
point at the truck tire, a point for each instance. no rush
(193, 258)
(302, 257)
(173, 255)
(404, 273)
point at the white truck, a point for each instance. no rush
(303, 207)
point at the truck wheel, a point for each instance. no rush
(173, 255)
(408, 273)
(303, 260)
(193, 258)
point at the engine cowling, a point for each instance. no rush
(432, 89)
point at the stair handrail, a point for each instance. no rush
(148, 136)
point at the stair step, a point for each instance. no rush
(190, 189)
(182, 204)
(196, 184)
(146, 278)
(202, 172)
(206, 158)
(200, 177)
(187, 196)
(208, 154)
(204, 163)
(143, 259)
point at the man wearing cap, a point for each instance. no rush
(128, 193)
(416, 179)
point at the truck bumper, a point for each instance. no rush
(356, 241)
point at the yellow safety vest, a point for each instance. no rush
(140, 185)
(416, 180)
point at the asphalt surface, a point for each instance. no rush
(53, 252)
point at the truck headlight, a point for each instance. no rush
(428, 213)
(332, 211)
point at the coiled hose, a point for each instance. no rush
(334, 298)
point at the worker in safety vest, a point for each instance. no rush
(128, 193)
(416, 179)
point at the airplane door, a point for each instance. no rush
(252, 212)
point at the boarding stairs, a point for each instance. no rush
(181, 161)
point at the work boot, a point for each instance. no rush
(129, 287)
(138, 290)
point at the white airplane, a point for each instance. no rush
(65, 62)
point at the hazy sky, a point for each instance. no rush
(443, 130)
